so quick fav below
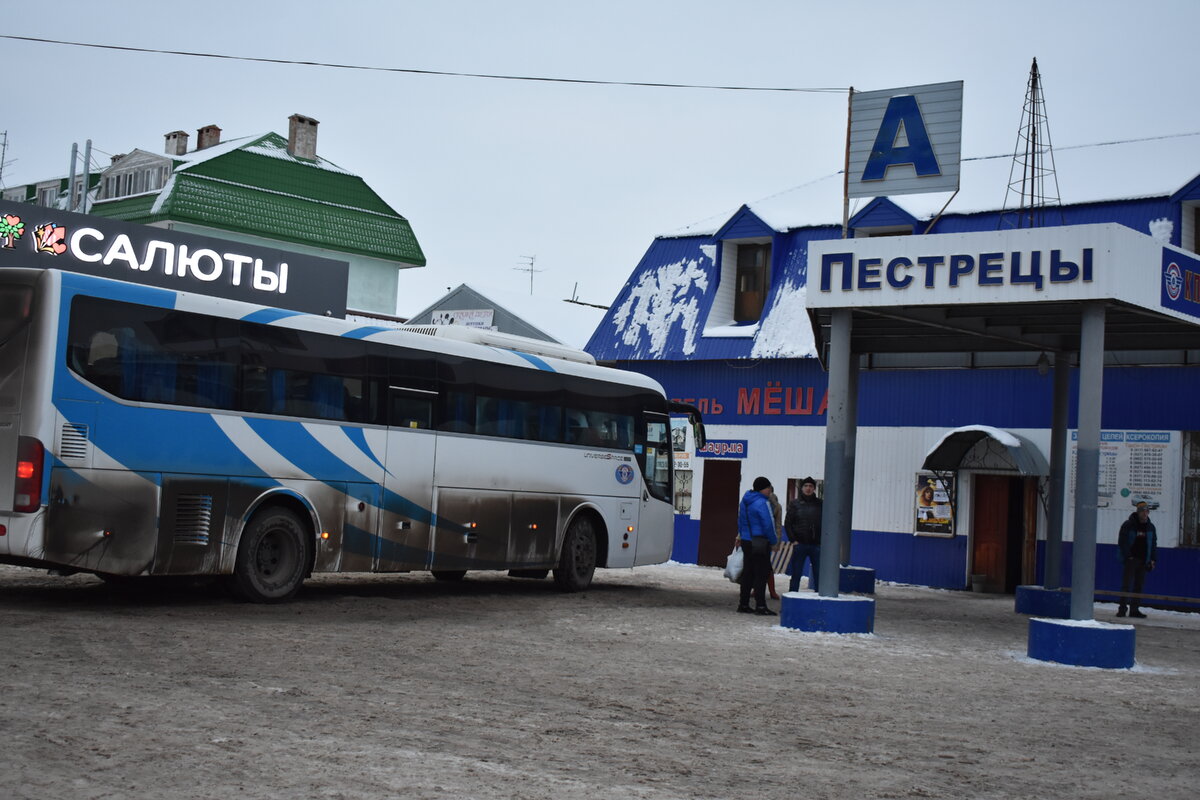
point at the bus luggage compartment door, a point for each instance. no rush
(472, 530)
(102, 520)
(533, 531)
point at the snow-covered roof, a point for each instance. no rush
(1084, 174)
(267, 144)
(570, 323)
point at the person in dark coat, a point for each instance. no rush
(756, 532)
(803, 528)
(1137, 542)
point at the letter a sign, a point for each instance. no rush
(905, 141)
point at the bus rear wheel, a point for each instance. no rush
(577, 563)
(272, 558)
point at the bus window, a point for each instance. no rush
(410, 408)
(303, 374)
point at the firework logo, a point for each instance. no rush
(1173, 281)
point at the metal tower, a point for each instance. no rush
(1032, 183)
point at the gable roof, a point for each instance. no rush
(255, 186)
(882, 213)
(744, 224)
(538, 316)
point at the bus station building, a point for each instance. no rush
(718, 312)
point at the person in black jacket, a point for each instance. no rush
(1138, 545)
(803, 527)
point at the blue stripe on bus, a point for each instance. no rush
(137, 437)
(362, 333)
(295, 444)
(359, 439)
(269, 315)
(532, 359)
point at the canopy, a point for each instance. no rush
(948, 454)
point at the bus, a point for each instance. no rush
(150, 432)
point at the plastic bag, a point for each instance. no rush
(733, 565)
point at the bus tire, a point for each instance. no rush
(577, 562)
(272, 558)
(449, 574)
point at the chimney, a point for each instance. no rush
(208, 136)
(177, 142)
(302, 136)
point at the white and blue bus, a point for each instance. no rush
(149, 432)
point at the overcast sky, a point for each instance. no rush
(583, 177)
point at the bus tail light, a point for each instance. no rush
(31, 456)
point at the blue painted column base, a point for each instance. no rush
(1039, 602)
(856, 580)
(1082, 643)
(812, 612)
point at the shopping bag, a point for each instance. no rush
(733, 565)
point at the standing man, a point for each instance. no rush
(1138, 543)
(756, 530)
(803, 526)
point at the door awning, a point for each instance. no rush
(1006, 449)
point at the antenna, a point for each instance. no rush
(529, 268)
(1035, 189)
(3, 152)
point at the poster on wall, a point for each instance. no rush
(1134, 466)
(934, 514)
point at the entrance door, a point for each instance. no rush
(998, 527)
(718, 511)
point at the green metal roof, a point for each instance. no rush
(260, 189)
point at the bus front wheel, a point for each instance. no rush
(577, 563)
(272, 558)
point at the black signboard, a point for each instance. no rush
(45, 238)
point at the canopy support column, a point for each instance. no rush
(1058, 469)
(1087, 461)
(834, 515)
(849, 457)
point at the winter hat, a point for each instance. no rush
(761, 483)
(809, 479)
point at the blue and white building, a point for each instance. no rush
(717, 313)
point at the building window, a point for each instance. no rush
(47, 196)
(753, 278)
(1189, 529)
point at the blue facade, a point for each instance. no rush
(656, 324)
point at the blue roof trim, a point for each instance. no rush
(1189, 191)
(744, 224)
(268, 315)
(882, 213)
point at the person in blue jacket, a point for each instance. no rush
(756, 531)
(1137, 542)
